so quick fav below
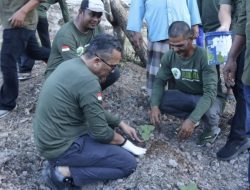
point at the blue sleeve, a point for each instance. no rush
(194, 12)
(136, 15)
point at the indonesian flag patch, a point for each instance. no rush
(65, 48)
(99, 96)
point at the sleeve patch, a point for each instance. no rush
(65, 48)
(99, 96)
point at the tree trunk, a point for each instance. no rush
(118, 19)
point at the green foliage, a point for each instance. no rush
(145, 131)
(190, 186)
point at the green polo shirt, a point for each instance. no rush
(241, 20)
(236, 6)
(9, 7)
(68, 43)
(70, 105)
(243, 28)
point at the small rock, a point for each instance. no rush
(24, 173)
(172, 163)
(232, 161)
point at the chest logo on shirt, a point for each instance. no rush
(80, 50)
(65, 48)
(190, 75)
(99, 96)
(176, 72)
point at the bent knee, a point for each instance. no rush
(130, 165)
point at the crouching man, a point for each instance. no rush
(73, 132)
(194, 96)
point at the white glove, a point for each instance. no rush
(129, 146)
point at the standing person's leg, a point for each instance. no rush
(43, 32)
(25, 64)
(35, 51)
(155, 51)
(90, 161)
(247, 99)
(14, 41)
(237, 141)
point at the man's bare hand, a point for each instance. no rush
(155, 114)
(129, 131)
(229, 71)
(223, 28)
(187, 129)
(17, 19)
(137, 37)
(196, 31)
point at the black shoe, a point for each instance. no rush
(53, 183)
(232, 149)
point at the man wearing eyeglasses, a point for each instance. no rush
(194, 97)
(72, 39)
(71, 128)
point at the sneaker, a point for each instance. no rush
(3, 113)
(24, 76)
(208, 136)
(52, 181)
(232, 149)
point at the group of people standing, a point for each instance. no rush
(73, 131)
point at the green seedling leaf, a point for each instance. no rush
(190, 186)
(145, 131)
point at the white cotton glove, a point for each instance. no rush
(136, 150)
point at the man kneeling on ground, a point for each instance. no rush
(194, 95)
(73, 132)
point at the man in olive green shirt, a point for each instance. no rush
(194, 97)
(241, 39)
(237, 141)
(19, 20)
(71, 128)
(71, 40)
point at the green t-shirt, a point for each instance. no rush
(44, 7)
(209, 14)
(9, 7)
(69, 106)
(236, 6)
(242, 28)
(192, 76)
(68, 43)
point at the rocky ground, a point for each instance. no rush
(167, 164)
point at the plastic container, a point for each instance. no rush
(218, 45)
